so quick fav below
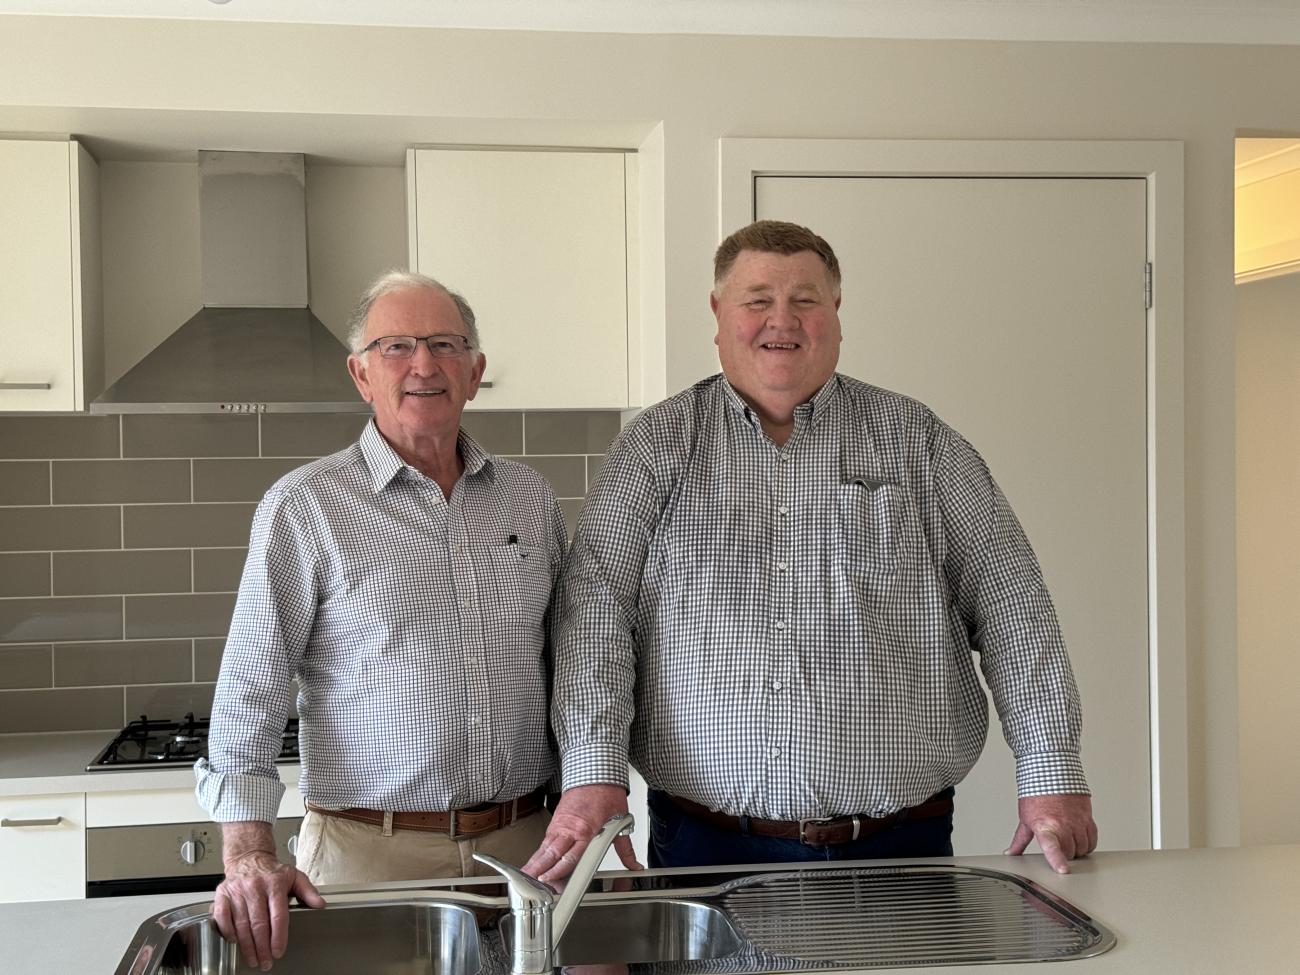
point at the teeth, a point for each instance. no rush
(780, 345)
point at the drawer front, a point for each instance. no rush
(143, 806)
(42, 847)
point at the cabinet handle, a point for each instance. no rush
(32, 822)
(24, 385)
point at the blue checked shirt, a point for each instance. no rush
(788, 632)
(416, 626)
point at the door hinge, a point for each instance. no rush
(1146, 287)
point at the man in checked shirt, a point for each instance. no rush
(406, 583)
(772, 600)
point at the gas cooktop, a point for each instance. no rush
(146, 743)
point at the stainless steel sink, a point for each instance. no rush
(741, 920)
(651, 930)
(411, 937)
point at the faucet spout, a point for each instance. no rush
(538, 916)
(584, 870)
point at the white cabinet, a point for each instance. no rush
(42, 848)
(51, 347)
(138, 807)
(538, 243)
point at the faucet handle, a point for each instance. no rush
(526, 893)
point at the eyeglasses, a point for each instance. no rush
(403, 346)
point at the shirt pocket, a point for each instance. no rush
(871, 520)
(520, 582)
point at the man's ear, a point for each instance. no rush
(357, 370)
(476, 375)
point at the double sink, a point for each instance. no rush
(745, 921)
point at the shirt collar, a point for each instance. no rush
(814, 409)
(384, 464)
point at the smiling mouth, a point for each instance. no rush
(780, 346)
(424, 393)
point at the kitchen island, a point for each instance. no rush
(1176, 911)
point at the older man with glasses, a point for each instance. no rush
(405, 582)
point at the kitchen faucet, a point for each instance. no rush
(538, 915)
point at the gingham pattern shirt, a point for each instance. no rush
(787, 632)
(415, 625)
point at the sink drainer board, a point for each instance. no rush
(894, 917)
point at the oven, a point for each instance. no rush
(166, 858)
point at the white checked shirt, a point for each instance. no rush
(787, 632)
(417, 629)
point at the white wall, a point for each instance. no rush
(263, 85)
(1268, 568)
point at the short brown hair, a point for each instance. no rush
(773, 237)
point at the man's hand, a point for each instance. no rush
(582, 812)
(251, 907)
(1062, 825)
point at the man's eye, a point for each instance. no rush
(398, 347)
(444, 348)
(757, 303)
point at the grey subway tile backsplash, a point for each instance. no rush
(239, 480)
(24, 482)
(25, 574)
(55, 618)
(571, 508)
(61, 709)
(119, 572)
(25, 665)
(122, 541)
(50, 437)
(498, 433)
(309, 435)
(567, 475)
(594, 463)
(162, 702)
(122, 662)
(207, 658)
(569, 431)
(201, 614)
(186, 525)
(120, 481)
(218, 569)
(188, 435)
(59, 528)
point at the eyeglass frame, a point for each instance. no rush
(428, 341)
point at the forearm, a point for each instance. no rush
(238, 840)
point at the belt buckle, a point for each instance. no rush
(451, 824)
(805, 823)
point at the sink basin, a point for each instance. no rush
(410, 938)
(624, 932)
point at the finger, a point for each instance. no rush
(306, 891)
(626, 854)
(1092, 838)
(564, 863)
(547, 855)
(1020, 840)
(259, 921)
(244, 932)
(1050, 844)
(279, 924)
(221, 914)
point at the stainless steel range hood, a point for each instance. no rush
(254, 346)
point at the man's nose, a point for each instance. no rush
(423, 361)
(783, 313)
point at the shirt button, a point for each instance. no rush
(472, 661)
(777, 685)
(780, 624)
(783, 566)
(775, 752)
(783, 509)
(466, 603)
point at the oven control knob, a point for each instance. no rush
(293, 845)
(192, 851)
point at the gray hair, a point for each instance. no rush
(398, 280)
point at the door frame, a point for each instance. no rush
(1160, 163)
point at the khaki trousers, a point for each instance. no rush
(341, 851)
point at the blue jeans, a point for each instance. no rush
(678, 839)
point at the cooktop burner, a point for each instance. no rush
(148, 744)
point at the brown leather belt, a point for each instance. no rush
(815, 832)
(456, 823)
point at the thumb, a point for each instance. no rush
(306, 891)
(1019, 841)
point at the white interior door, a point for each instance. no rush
(1015, 308)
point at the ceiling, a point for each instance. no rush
(1190, 21)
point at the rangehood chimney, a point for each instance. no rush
(254, 346)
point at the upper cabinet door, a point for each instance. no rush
(50, 355)
(536, 241)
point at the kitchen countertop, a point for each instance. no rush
(53, 763)
(1185, 911)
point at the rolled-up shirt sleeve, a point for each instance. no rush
(999, 593)
(272, 623)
